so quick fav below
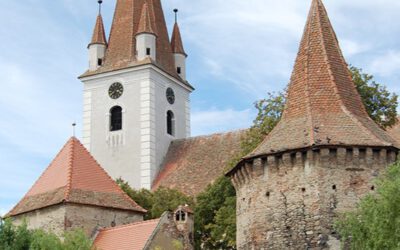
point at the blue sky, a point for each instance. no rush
(238, 51)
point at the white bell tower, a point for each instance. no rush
(135, 101)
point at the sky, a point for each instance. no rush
(238, 52)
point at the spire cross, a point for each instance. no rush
(176, 15)
(100, 2)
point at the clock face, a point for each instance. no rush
(170, 96)
(115, 91)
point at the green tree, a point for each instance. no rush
(381, 105)
(21, 238)
(376, 223)
(156, 203)
(215, 216)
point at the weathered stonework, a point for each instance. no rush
(60, 218)
(291, 200)
(49, 219)
(173, 234)
(91, 218)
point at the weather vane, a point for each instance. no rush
(176, 15)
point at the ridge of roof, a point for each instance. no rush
(176, 41)
(210, 136)
(80, 178)
(323, 106)
(70, 168)
(145, 23)
(129, 225)
(99, 35)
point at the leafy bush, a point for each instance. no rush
(21, 238)
(376, 222)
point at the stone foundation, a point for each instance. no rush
(291, 200)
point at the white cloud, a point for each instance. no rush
(351, 47)
(386, 64)
(213, 120)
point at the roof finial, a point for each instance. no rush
(176, 15)
(100, 2)
(73, 129)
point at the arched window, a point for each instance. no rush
(170, 123)
(116, 118)
(180, 215)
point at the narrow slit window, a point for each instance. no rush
(116, 118)
(179, 70)
(170, 123)
(148, 51)
(99, 62)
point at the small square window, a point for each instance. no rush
(179, 70)
(148, 51)
(99, 62)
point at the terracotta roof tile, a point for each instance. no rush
(75, 176)
(99, 35)
(192, 164)
(395, 131)
(145, 23)
(176, 41)
(128, 237)
(323, 106)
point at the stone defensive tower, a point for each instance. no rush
(320, 159)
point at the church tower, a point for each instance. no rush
(136, 98)
(319, 160)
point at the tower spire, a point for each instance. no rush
(145, 23)
(99, 35)
(176, 39)
(323, 105)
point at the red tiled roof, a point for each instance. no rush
(145, 23)
(192, 164)
(75, 176)
(99, 35)
(121, 50)
(323, 106)
(128, 237)
(395, 131)
(176, 41)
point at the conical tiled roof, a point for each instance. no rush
(176, 41)
(145, 23)
(323, 105)
(122, 42)
(99, 35)
(75, 176)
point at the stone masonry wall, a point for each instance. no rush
(291, 201)
(49, 219)
(63, 217)
(91, 218)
